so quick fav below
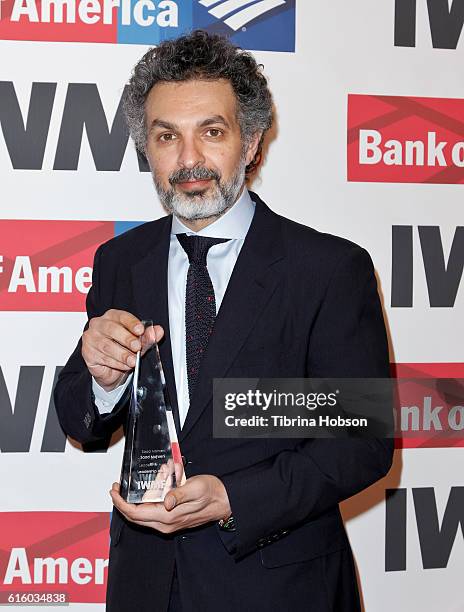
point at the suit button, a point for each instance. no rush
(275, 536)
(261, 542)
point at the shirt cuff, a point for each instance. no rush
(105, 401)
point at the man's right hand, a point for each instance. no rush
(110, 345)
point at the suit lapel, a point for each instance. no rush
(150, 280)
(251, 284)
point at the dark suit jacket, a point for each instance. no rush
(299, 303)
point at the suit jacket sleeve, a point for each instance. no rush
(348, 339)
(74, 400)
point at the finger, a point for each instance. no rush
(142, 513)
(159, 486)
(149, 337)
(115, 351)
(157, 526)
(186, 493)
(193, 521)
(179, 473)
(118, 360)
(120, 334)
(170, 481)
(183, 512)
(130, 322)
(152, 334)
(125, 508)
(161, 476)
(159, 331)
(152, 511)
(145, 513)
(170, 500)
(122, 507)
(93, 356)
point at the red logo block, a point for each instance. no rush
(394, 139)
(429, 405)
(58, 21)
(55, 552)
(47, 265)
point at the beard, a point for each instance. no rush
(201, 203)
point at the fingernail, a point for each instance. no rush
(138, 329)
(135, 345)
(171, 503)
(131, 361)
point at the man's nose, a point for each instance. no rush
(190, 153)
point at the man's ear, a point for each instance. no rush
(252, 147)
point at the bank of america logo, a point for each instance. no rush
(264, 25)
(238, 13)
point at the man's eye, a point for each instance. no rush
(167, 137)
(214, 132)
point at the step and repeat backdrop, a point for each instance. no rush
(368, 144)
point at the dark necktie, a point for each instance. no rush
(200, 303)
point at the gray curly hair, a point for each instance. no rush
(205, 56)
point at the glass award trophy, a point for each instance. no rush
(151, 449)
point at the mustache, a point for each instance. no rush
(199, 173)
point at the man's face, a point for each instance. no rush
(195, 148)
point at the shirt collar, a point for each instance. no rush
(234, 223)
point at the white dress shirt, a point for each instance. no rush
(221, 258)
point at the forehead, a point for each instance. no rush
(196, 99)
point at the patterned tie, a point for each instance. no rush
(200, 302)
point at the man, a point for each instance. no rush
(256, 526)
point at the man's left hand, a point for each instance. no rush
(200, 500)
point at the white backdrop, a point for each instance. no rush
(341, 48)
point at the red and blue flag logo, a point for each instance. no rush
(267, 25)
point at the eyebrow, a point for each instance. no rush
(214, 119)
(162, 124)
(167, 125)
